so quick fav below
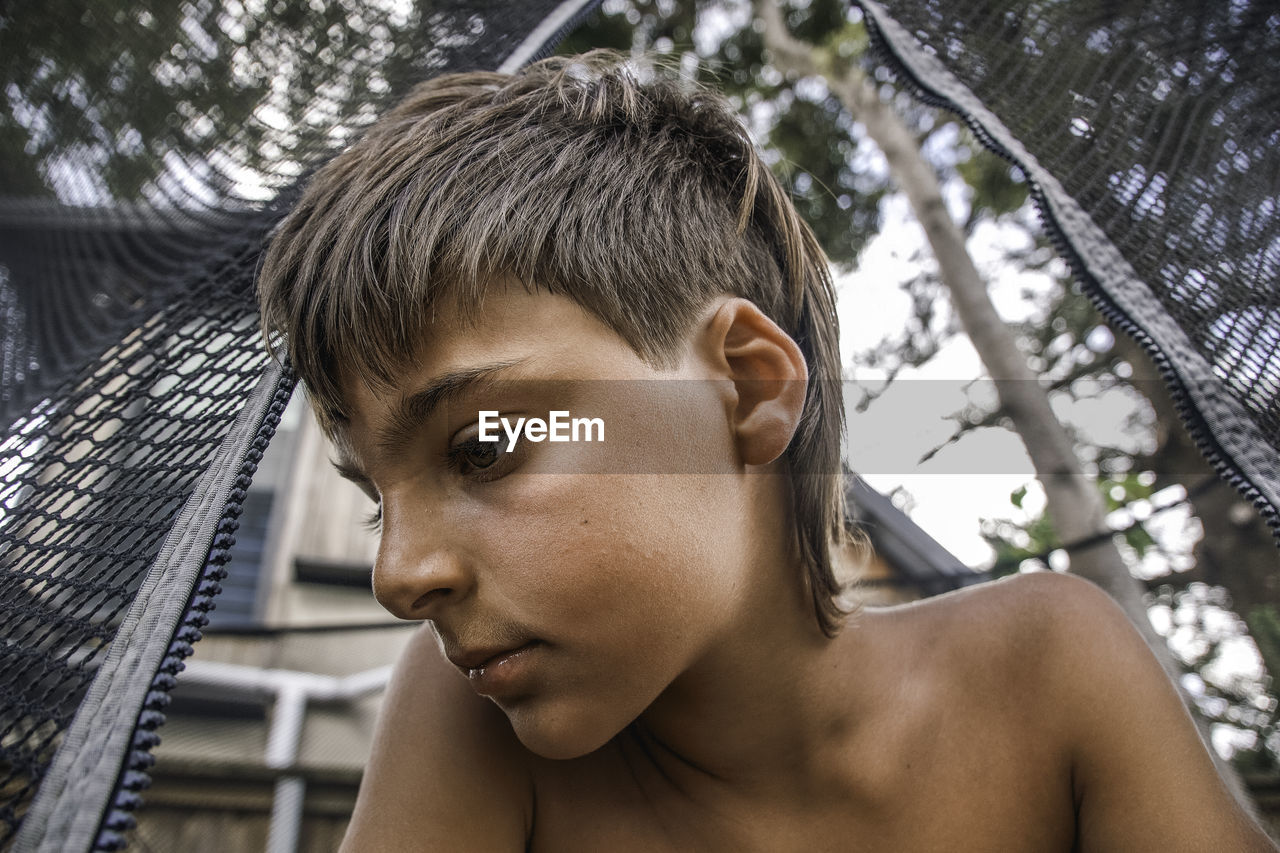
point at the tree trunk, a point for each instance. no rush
(1073, 501)
(1237, 549)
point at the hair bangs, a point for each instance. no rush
(635, 193)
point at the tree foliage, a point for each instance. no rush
(840, 188)
(133, 101)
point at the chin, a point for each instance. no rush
(558, 733)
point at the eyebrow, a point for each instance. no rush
(412, 411)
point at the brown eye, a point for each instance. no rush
(479, 454)
(480, 461)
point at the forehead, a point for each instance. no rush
(513, 334)
(511, 322)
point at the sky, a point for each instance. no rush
(972, 479)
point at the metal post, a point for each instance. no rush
(286, 814)
(282, 752)
(292, 691)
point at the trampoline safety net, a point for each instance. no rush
(1149, 133)
(148, 148)
(146, 151)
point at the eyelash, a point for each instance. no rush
(455, 459)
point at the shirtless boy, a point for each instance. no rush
(638, 644)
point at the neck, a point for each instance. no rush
(768, 708)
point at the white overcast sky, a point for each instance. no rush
(972, 479)
(885, 440)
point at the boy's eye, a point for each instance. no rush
(480, 460)
(479, 454)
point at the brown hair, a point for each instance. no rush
(636, 194)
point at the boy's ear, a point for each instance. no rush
(769, 377)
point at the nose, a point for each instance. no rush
(417, 571)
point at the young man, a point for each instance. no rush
(638, 643)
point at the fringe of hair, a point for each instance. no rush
(641, 199)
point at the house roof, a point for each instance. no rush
(917, 557)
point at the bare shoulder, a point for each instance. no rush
(1004, 631)
(447, 772)
(1068, 656)
(1042, 626)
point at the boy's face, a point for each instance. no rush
(570, 596)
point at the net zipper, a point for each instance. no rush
(136, 777)
(1195, 422)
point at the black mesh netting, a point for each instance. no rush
(94, 478)
(1150, 132)
(146, 150)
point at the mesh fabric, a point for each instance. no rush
(1150, 134)
(146, 151)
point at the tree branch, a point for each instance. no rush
(1073, 503)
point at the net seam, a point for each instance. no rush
(1208, 443)
(136, 777)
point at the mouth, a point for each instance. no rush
(474, 661)
(494, 670)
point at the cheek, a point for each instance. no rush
(602, 553)
(618, 574)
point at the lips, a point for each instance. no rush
(500, 670)
(471, 660)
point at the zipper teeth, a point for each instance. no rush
(1194, 420)
(135, 776)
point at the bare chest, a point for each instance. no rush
(943, 792)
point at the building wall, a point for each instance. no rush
(320, 517)
(190, 810)
(211, 790)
